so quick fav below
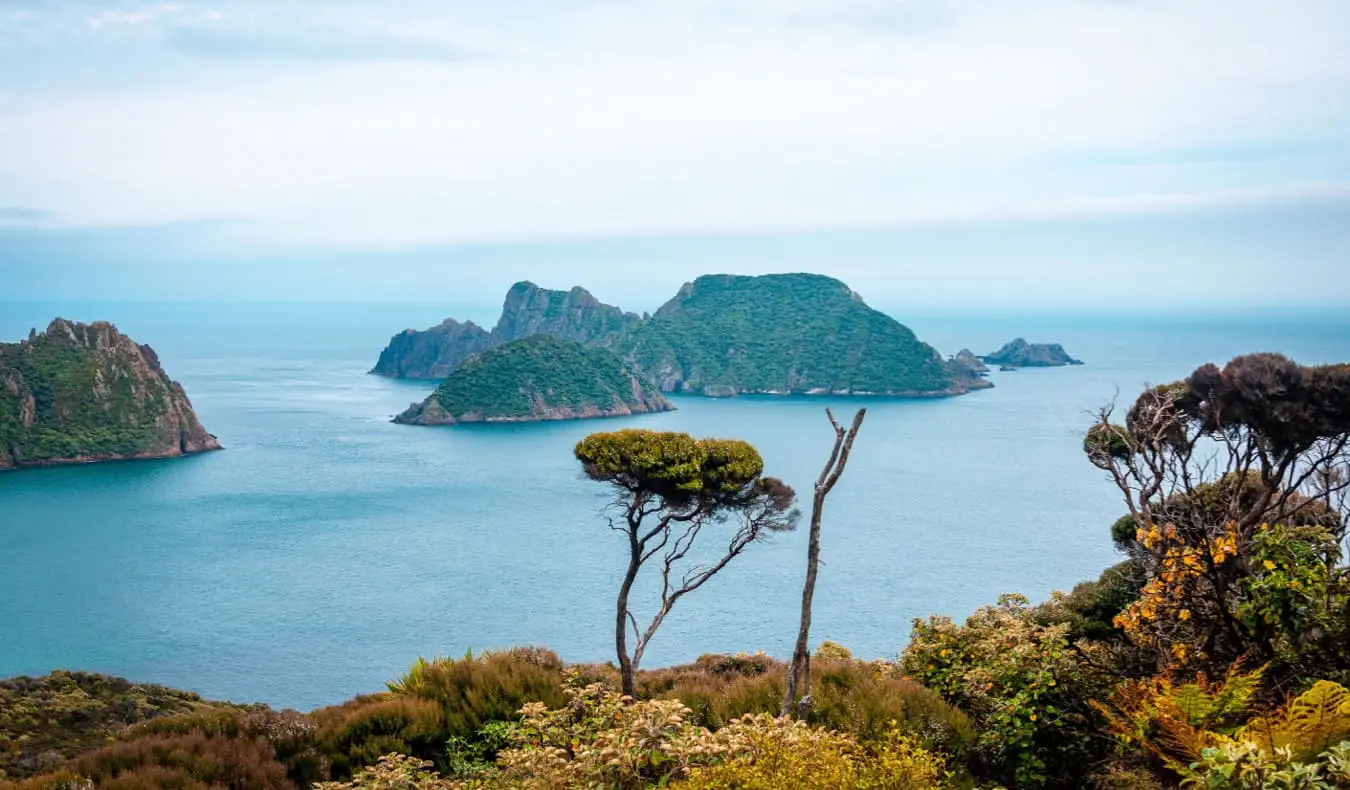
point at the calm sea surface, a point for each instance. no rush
(326, 548)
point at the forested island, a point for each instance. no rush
(538, 378)
(78, 393)
(1216, 654)
(721, 335)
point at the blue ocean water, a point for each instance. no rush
(326, 548)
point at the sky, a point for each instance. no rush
(941, 152)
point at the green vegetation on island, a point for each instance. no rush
(721, 335)
(1215, 655)
(538, 378)
(85, 392)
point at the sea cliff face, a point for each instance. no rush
(85, 392)
(536, 379)
(528, 310)
(721, 335)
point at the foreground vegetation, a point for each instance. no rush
(1215, 655)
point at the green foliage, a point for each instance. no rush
(776, 753)
(1246, 766)
(782, 333)
(85, 402)
(864, 700)
(673, 466)
(358, 733)
(526, 377)
(1024, 685)
(44, 721)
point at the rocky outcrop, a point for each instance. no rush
(528, 310)
(966, 360)
(535, 379)
(1021, 354)
(85, 392)
(432, 353)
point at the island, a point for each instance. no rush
(78, 393)
(972, 364)
(1021, 354)
(538, 378)
(720, 336)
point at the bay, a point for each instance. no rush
(327, 548)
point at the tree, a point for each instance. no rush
(1236, 483)
(667, 488)
(799, 673)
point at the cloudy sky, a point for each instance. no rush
(969, 150)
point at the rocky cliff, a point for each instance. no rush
(1021, 354)
(527, 310)
(535, 379)
(85, 392)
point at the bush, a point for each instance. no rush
(1026, 688)
(474, 692)
(185, 761)
(357, 734)
(46, 721)
(858, 698)
(769, 754)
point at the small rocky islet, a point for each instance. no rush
(79, 393)
(1019, 353)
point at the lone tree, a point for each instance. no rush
(667, 488)
(799, 673)
(1235, 481)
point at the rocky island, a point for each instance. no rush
(538, 378)
(1021, 354)
(721, 335)
(85, 392)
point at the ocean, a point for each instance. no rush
(325, 549)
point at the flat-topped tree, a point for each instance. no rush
(667, 488)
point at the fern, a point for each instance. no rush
(1308, 726)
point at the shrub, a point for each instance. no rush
(859, 698)
(45, 721)
(1026, 688)
(768, 754)
(358, 733)
(474, 692)
(185, 761)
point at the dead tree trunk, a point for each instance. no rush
(799, 673)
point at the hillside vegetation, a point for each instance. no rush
(538, 378)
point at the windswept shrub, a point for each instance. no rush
(184, 761)
(474, 691)
(862, 699)
(365, 729)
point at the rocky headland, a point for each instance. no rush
(78, 393)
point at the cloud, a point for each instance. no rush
(312, 45)
(339, 123)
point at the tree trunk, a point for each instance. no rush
(799, 672)
(627, 669)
